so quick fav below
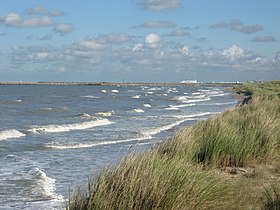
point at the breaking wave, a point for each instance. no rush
(88, 145)
(114, 91)
(176, 107)
(187, 99)
(44, 184)
(136, 96)
(69, 127)
(194, 115)
(9, 134)
(89, 96)
(148, 134)
(138, 110)
(106, 114)
(160, 129)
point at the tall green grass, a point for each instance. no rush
(148, 181)
(272, 197)
(237, 137)
(184, 172)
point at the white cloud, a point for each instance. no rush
(179, 33)
(39, 56)
(185, 50)
(16, 47)
(63, 29)
(257, 61)
(113, 38)
(40, 10)
(158, 24)
(46, 37)
(264, 39)
(11, 19)
(237, 25)
(161, 4)
(90, 44)
(15, 20)
(138, 47)
(152, 40)
(276, 59)
(37, 22)
(233, 52)
(153, 55)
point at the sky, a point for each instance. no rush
(139, 40)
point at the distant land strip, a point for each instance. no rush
(123, 83)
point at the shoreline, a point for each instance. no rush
(123, 83)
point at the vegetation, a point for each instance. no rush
(230, 161)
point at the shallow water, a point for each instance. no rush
(55, 137)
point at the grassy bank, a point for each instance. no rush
(230, 161)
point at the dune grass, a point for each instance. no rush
(229, 161)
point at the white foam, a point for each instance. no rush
(147, 105)
(180, 98)
(158, 130)
(146, 135)
(193, 115)
(196, 96)
(225, 103)
(203, 90)
(155, 88)
(216, 93)
(219, 94)
(103, 91)
(89, 145)
(136, 96)
(138, 110)
(44, 184)
(176, 107)
(171, 108)
(89, 96)
(47, 109)
(9, 134)
(114, 91)
(196, 100)
(188, 99)
(69, 127)
(85, 115)
(106, 114)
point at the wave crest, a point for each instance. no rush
(9, 134)
(69, 127)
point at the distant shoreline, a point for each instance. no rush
(122, 83)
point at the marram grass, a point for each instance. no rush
(188, 171)
(149, 181)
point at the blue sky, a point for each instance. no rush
(139, 40)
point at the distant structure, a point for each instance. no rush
(189, 81)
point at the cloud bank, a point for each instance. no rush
(158, 5)
(237, 25)
(63, 29)
(40, 10)
(15, 20)
(158, 24)
(264, 39)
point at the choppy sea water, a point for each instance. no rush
(55, 137)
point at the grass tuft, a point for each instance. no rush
(272, 198)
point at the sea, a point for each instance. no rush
(54, 138)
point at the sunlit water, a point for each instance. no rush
(55, 137)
